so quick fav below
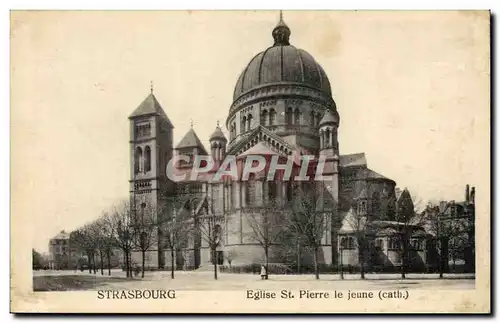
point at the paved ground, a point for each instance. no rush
(195, 280)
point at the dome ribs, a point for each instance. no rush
(301, 66)
(260, 65)
(281, 71)
(245, 73)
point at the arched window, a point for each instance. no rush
(296, 116)
(272, 190)
(272, 117)
(394, 244)
(318, 119)
(289, 191)
(376, 204)
(250, 193)
(379, 243)
(249, 120)
(263, 118)
(326, 140)
(138, 160)
(312, 122)
(361, 207)
(289, 116)
(147, 159)
(243, 124)
(347, 243)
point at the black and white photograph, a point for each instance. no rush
(250, 161)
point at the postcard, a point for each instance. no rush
(250, 162)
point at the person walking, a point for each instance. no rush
(263, 272)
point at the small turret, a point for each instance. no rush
(218, 144)
(328, 133)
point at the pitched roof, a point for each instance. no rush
(150, 105)
(190, 140)
(218, 134)
(352, 160)
(327, 118)
(238, 146)
(61, 236)
(363, 194)
(405, 195)
(368, 173)
(259, 149)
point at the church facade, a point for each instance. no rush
(282, 106)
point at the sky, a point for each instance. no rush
(411, 88)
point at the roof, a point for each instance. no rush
(363, 194)
(217, 134)
(190, 140)
(280, 63)
(352, 160)
(150, 105)
(405, 194)
(328, 118)
(236, 149)
(61, 236)
(259, 149)
(370, 174)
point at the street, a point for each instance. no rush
(203, 280)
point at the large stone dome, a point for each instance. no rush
(282, 63)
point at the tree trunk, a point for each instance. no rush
(316, 267)
(172, 262)
(125, 261)
(404, 257)
(143, 262)
(266, 252)
(95, 263)
(128, 264)
(89, 262)
(130, 269)
(215, 263)
(361, 262)
(101, 254)
(109, 262)
(298, 258)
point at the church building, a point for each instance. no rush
(282, 106)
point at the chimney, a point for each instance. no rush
(467, 194)
(472, 195)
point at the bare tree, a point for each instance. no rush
(176, 224)
(145, 229)
(266, 230)
(409, 222)
(307, 220)
(358, 224)
(96, 231)
(210, 229)
(107, 238)
(120, 222)
(85, 240)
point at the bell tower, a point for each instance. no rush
(150, 151)
(329, 150)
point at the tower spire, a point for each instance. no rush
(151, 86)
(281, 33)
